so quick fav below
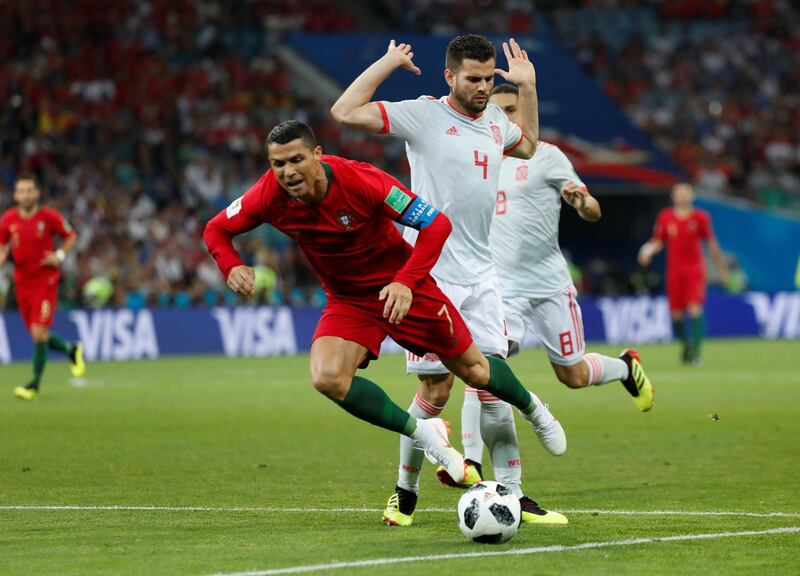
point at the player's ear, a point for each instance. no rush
(449, 77)
(318, 152)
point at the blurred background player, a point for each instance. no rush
(376, 283)
(681, 229)
(455, 145)
(27, 232)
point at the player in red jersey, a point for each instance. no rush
(342, 215)
(681, 229)
(27, 232)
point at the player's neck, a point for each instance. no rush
(684, 211)
(456, 105)
(29, 213)
(322, 184)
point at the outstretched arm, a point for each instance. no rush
(353, 108)
(522, 73)
(719, 259)
(579, 198)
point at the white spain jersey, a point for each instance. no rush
(524, 237)
(455, 163)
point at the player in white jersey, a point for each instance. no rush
(538, 293)
(455, 146)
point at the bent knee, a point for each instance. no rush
(572, 376)
(476, 376)
(436, 388)
(331, 383)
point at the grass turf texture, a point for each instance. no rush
(213, 432)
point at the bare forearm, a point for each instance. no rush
(719, 259)
(351, 107)
(529, 112)
(69, 243)
(590, 210)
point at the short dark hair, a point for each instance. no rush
(505, 88)
(290, 130)
(26, 176)
(472, 46)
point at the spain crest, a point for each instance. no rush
(498, 136)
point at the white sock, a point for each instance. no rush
(500, 434)
(411, 457)
(604, 369)
(471, 426)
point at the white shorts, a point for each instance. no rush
(481, 307)
(556, 321)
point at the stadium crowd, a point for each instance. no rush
(141, 119)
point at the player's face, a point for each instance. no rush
(471, 83)
(508, 103)
(297, 167)
(682, 195)
(26, 195)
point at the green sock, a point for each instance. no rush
(698, 332)
(56, 342)
(505, 385)
(368, 401)
(39, 361)
(678, 330)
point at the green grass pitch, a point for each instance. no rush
(238, 450)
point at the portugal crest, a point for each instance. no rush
(345, 220)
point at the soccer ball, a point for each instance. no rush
(489, 513)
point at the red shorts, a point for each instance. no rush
(686, 288)
(432, 324)
(37, 301)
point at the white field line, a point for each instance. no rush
(269, 509)
(517, 552)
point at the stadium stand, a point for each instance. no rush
(143, 118)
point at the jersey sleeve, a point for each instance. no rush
(560, 170)
(512, 134)
(385, 193)
(4, 231)
(407, 118)
(706, 229)
(60, 224)
(660, 227)
(242, 215)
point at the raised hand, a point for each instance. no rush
(402, 56)
(520, 68)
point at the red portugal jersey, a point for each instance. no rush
(683, 239)
(31, 238)
(349, 237)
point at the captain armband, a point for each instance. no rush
(419, 214)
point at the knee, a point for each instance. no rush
(573, 376)
(331, 382)
(477, 375)
(39, 334)
(436, 389)
(572, 381)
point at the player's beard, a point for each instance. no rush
(472, 107)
